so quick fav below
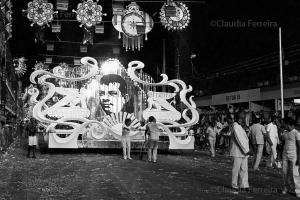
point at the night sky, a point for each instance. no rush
(216, 43)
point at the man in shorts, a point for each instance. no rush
(152, 133)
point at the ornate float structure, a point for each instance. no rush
(84, 107)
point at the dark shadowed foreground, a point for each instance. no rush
(106, 176)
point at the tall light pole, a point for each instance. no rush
(281, 74)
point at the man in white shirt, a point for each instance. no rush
(257, 132)
(212, 135)
(291, 156)
(239, 150)
(273, 135)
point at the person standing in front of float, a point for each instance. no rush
(152, 134)
(126, 143)
(32, 139)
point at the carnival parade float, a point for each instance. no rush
(85, 106)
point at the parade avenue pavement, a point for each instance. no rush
(98, 175)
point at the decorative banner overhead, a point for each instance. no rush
(40, 12)
(174, 15)
(20, 66)
(89, 13)
(133, 24)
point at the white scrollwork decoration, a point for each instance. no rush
(175, 83)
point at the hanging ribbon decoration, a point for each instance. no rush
(40, 13)
(133, 24)
(174, 16)
(89, 14)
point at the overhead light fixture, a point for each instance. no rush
(297, 101)
(116, 50)
(76, 61)
(48, 60)
(50, 47)
(193, 56)
(118, 9)
(62, 5)
(56, 28)
(99, 28)
(83, 48)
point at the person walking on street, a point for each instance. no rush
(272, 132)
(239, 150)
(32, 139)
(257, 132)
(291, 156)
(212, 135)
(152, 134)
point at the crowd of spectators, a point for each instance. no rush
(8, 132)
(213, 133)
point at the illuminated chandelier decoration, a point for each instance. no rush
(40, 12)
(20, 66)
(174, 16)
(89, 14)
(133, 24)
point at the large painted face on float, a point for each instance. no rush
(112, 93)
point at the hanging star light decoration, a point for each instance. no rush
(20, 66)
(174, 16)
(40, 12)
(89, 13)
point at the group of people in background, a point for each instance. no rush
(8, 131)
(215, 135)
(278, 139)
